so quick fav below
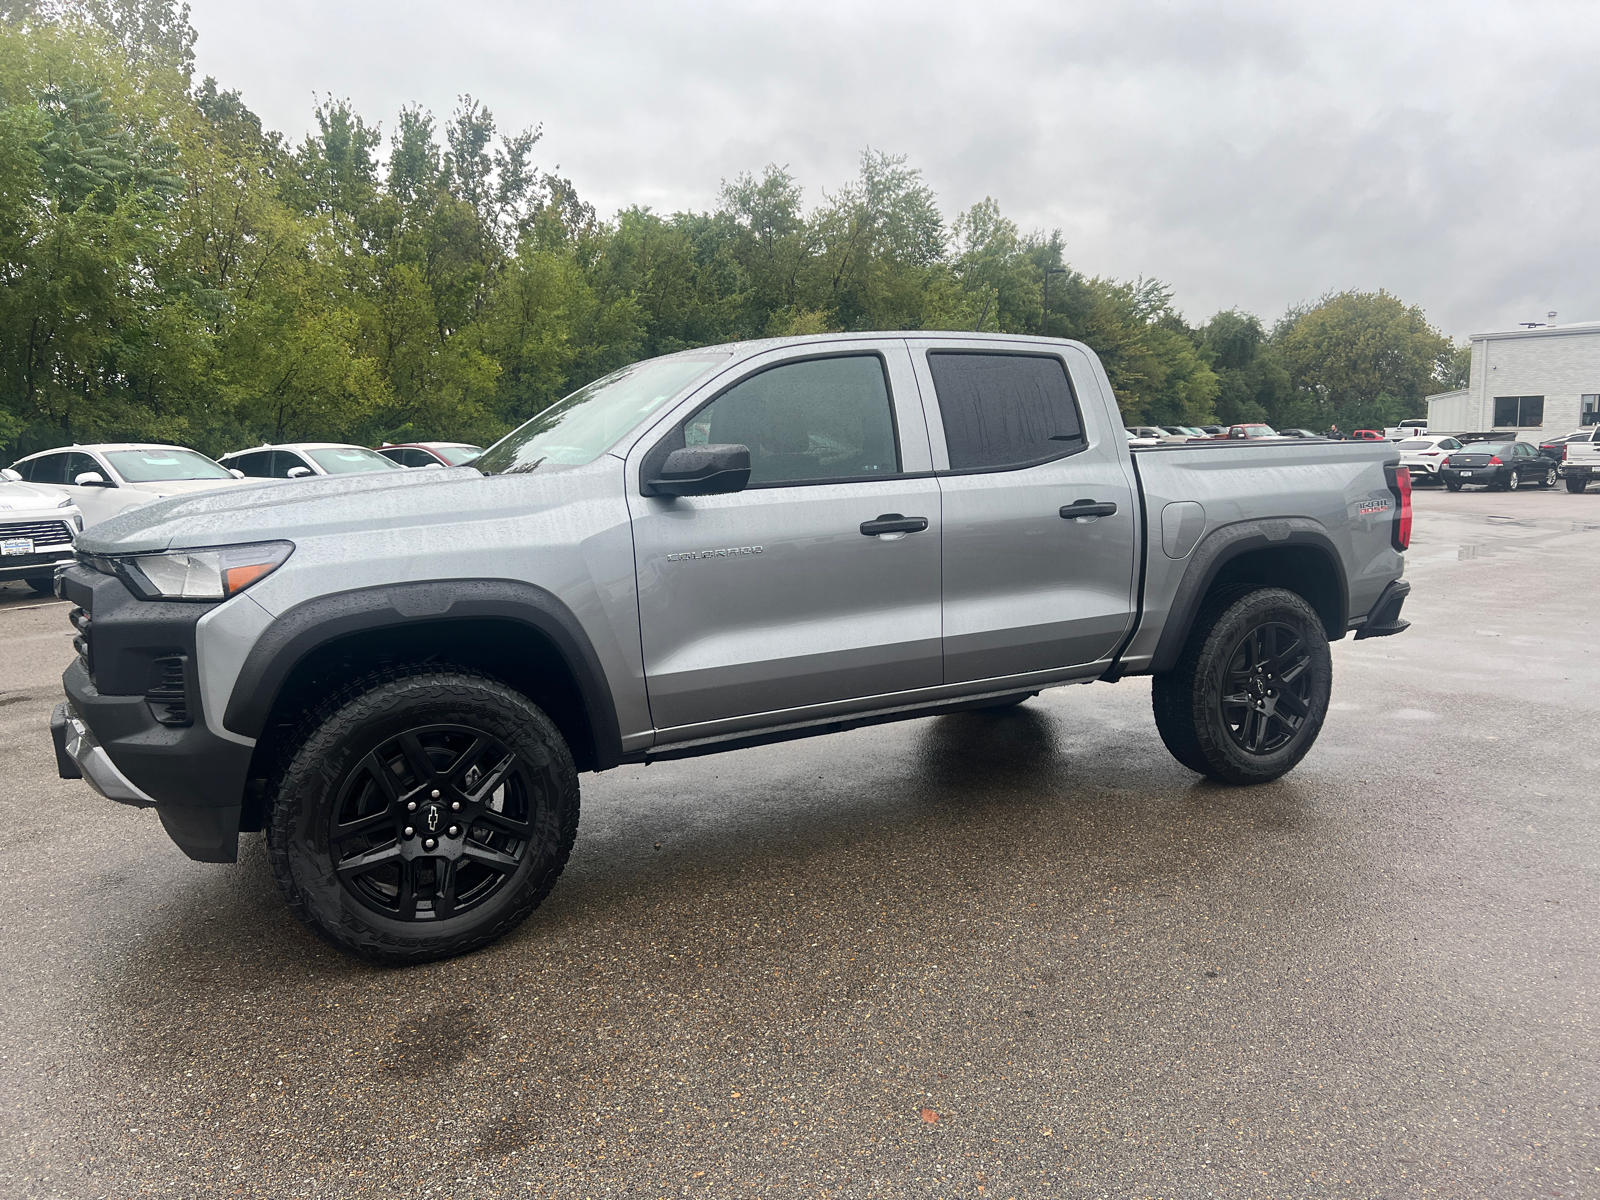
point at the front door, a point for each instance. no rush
(1028, 586)
(782, 596)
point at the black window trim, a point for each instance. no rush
(1072, 390)
(656, 455)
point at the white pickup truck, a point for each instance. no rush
(1580, 460)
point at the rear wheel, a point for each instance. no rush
(1513, 481)
(422, 814)
(1452, 485)
(1576, 485)
(1250, 691)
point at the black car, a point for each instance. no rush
(1500, 466)
(1298, 433)
(1552, 447)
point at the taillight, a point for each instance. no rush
(1400, 485)
(1563, 454)
(1494, 461)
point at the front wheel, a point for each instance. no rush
(1577, 485)
(421, 814)
(1250, 691)
(1549, 478)
(41, 585)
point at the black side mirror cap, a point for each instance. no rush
(702, 471)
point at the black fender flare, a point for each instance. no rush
(1222, 546)
(314, 623)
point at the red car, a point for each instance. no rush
(431, 454)
(1368, 435)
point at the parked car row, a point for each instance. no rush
(47, 498)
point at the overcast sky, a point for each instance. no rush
(1249, 154)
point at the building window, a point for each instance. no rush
(1518, 411)
(1590, 414)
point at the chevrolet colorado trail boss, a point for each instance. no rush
(399, 676)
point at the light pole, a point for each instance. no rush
(1049, 271)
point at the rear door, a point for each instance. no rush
(780, 598)
(1022, 438)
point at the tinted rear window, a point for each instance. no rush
(1004, 410)
(1416, 444)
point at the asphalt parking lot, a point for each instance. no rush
(1002, 955)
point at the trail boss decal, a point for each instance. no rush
(1368, 507)
(730, 552)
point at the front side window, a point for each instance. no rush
(162, 465)
(582, 427)
(350, 460)
(257, 465)
(825, 419)
(78, 464)
(1004, 410)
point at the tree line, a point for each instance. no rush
(171, 270)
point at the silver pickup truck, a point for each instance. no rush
(399, 676)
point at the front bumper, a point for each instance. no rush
(134, 744)
(33, 566)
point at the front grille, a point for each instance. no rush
(168, 695)
(43, 533)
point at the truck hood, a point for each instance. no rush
(262, 510)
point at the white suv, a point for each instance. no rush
(110, 478)
(1423, 456)
(300, 460)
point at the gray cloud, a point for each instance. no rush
(1251, 154)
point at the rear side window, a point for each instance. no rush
(1004, 410)
(48, 469)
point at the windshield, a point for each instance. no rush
(582, 427)
(351, 460)
(160, 466)
(1259, 431)
(457, 456)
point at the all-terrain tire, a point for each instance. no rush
(385, 742)
(1206, 707)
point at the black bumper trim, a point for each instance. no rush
(1383, 620)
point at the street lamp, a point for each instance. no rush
(1049, 271)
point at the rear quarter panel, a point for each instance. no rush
(1340, 487)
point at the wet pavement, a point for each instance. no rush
(1015, 954)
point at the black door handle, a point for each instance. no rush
(894, 523)
(1088, 508)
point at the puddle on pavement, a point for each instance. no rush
(1474, 550)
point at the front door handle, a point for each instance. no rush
(1088, 508)
(893, 523)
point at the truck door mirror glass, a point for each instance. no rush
(91, 479)
(710, 470)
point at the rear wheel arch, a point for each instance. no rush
(515, 632)
(1294, 553)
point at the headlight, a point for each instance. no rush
(213, 574)
(66, 502)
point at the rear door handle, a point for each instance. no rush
(1088, 508)
(894, 523)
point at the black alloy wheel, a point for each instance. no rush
(433, 823)
(1250, 690)
(1266, 688)
(420, 813)
(1549, 478)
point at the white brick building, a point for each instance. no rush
(1545, 379)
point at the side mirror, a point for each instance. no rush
(9, 475)
(235, 472)
(702, 471)
(298, 472)
(91, 479)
